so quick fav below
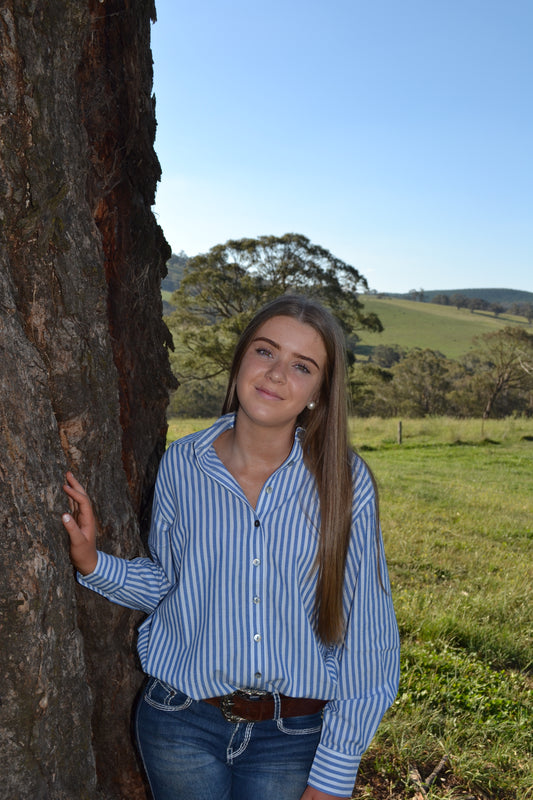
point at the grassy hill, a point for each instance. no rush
(444, 328)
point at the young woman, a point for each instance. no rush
(271, 646)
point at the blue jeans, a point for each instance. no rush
(191, 752)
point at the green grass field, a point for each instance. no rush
(444, 328)
(457, 516)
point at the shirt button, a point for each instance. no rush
(269, 490)
(257, 600)
(258, 675)
(257, 523)
(256, 562)
(257, 637)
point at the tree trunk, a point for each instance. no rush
(84, 381)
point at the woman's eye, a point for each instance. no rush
(302, 368)
(263, 351)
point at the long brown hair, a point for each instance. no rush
(325, 448)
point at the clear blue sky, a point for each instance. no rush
(398, 134)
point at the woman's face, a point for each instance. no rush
(281, 372)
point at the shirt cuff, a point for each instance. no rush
(107, 577)
(333, 773)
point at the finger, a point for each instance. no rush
(76, 495)
(74, 484)
(73, 530)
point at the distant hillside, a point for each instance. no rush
(175, 267)
(444, 328)
(504, 296)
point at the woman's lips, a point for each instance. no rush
(267, 393)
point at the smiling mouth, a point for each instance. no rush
(268, 393)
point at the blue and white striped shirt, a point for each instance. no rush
(230, 595)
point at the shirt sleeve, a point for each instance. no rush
(367, 664)
(140, 583)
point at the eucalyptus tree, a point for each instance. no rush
(221, 290)
(503, 376)
(421, 382)
(84, 380)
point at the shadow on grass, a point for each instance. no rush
(368, 448)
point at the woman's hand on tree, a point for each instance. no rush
(81, 526)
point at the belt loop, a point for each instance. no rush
(277, 704)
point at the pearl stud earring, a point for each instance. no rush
(311, 405)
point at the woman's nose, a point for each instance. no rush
(276, 373)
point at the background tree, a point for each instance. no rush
(420, 383)
(385, 355)
(221, 290)
(501, 376)
(371, 390)
(526, 310)
(441, 299)
(497, 308)
(198, 398)
(477, 304)
(459, 300)
(84, 380)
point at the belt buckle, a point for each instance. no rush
(227, 702)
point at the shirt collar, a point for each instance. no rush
(210, 435)
(207, 437)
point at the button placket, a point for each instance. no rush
(256, 593)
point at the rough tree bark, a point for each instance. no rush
(84, 380)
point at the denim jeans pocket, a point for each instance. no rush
(160, 695)
(299, 726)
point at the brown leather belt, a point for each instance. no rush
(257, 706)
